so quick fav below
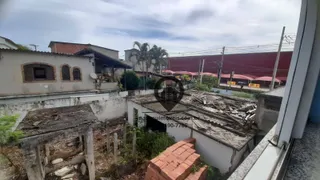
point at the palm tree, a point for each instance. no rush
(141, 52)
(160, 56)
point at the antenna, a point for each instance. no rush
(35, 46)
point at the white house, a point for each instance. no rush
(34, 72)
(221, 142)
(6, 43)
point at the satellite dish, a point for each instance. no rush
(93, 75)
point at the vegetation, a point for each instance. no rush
(141, 53)
(130, 79)
(23, 47)
(151, 144)
(202, 87)
(8, 137)
(242, 95)
(151, 83)
(146, 57)
(6, 134)
(210, 81)
(159, 56)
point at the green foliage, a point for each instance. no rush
(242, 95)
(6, 133)
(202, 87)
(151, 83)
(151, 144)
(217, 91)
(23, 47)
(210, 81)
(131, 79)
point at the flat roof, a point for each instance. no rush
(219, 117)
(50, 120)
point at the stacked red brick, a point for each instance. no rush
(176, 163)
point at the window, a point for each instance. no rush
(76, 74)
(65, 73)
(38, 72)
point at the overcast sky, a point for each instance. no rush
(176, 25)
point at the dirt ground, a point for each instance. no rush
(104, 159)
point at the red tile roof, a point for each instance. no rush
(70, 48)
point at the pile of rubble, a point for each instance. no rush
(241, 111)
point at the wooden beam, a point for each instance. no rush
(90, 154)
(31, 165)
(74, 161)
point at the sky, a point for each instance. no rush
(179, 26)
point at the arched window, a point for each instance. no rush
(76, 72)
(65, 73)
(38, 72)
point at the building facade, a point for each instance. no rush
(32, 72)
(6, 43)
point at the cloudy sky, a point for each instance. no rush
(176, 25)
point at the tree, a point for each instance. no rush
(23, 47)
(141, 52)
(160, 56)
(210, 81)
(130, 80)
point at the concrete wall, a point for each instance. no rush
(213, 152)
(12, 75)
(105, 106)
(267, 112)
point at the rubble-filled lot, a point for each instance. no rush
(63, 150)
(227, 119)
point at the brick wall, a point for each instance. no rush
(176, 163)
(67, 48)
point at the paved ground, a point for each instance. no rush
(246, 87)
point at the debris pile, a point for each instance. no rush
(240, 111)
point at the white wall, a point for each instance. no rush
(12, 78)
(179, 133)
(5, 45)
(213, 152)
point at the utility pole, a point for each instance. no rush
(202, 65)
(275, 68)
(35, 46)
(221, 65)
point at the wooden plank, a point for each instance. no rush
(115, 147)
(74, 161)
(39, 162)
(134, 141)
(90, 154)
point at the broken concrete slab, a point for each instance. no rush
(56, 161)
(63, 171)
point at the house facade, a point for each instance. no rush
(6, 43)
(32, 72)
